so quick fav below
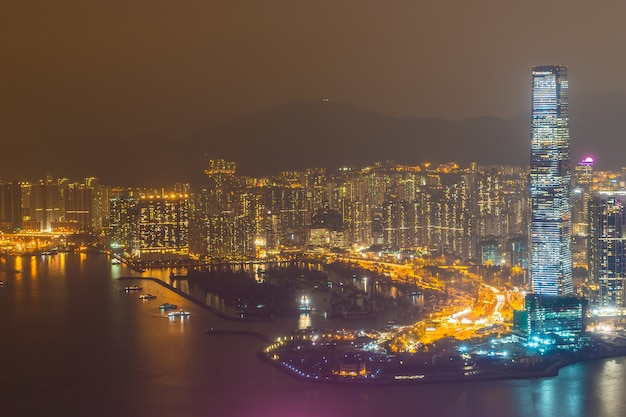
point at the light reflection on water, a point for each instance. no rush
(320, 299)
(65, 319)
(610, 385)
(304, 321)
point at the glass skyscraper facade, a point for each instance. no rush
(607, 246)
(550, 183)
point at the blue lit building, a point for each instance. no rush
(551, 321)
(550, 187)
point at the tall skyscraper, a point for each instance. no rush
(550, 187)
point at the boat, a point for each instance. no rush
(1, 283)
(168, 306)
(133, 288)
(115, 262)
(181, 313)
(147, 297)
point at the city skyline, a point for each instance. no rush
(250, 208)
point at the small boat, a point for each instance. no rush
(181, 313)
(147, 297)
(168, 306)
(133, 288)
(1, 283)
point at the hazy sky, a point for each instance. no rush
(124, 68)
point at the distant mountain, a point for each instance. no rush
(324, 134)
(300, 135)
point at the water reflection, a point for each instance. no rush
(126, 355)
(305, 321)
(33, 266)
(319, 298)
(611, 386)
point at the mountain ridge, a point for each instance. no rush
(299, 135)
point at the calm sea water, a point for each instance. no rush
(73, 343)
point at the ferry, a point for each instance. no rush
(181, 313)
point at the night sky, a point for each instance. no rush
(123, 69)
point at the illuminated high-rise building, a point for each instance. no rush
(46, 204)
(582, 182)
(79, 206)
(160, 228)
(607, 246)
(121, 221)
(223, 214)
(550, 187)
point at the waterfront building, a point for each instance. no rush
(224, 214)
(607, 246)
(46, 205)
(79, 207)
(160, 228)
(352, 365)
(120, 220)
(550, 188)
(551, 320)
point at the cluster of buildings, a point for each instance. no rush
(544, 220)
(474, 213)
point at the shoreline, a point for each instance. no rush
(550, 371)
(194, 300)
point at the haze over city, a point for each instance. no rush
(99, 89)
(278, 208)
